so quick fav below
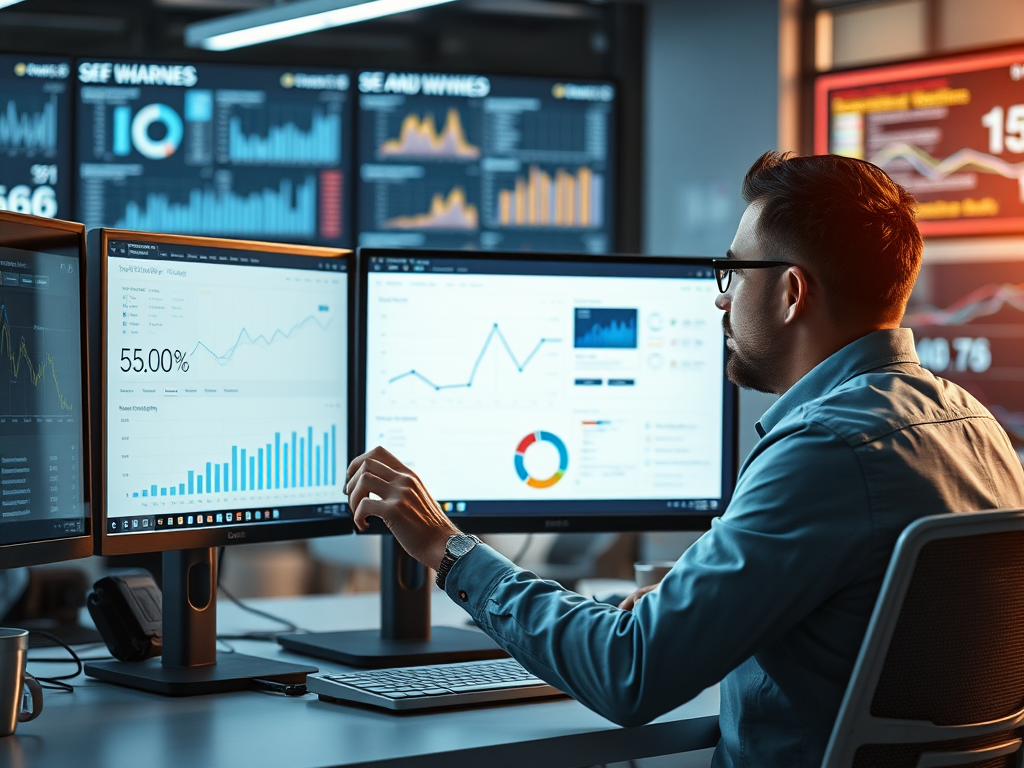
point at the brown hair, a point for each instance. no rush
(852, 227)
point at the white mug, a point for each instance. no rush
(14, 680)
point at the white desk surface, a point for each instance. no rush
(105, 726)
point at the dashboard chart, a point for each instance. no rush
(951, 131)
(35, 135)
(501, 386)
(466, 161)
(207, 149)
(968, 322)
(41, 406)
(226, 382)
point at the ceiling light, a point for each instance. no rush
(290, 19)
(5, 3)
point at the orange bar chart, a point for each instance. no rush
(564, 199)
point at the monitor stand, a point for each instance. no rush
(405, 637)
(190, 664)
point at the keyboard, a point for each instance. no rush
(436, 685)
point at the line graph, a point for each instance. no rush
(29, 130)
(495, 332)
(935, 169)
(20, 357)
(981, 302)
(245, 337)
(420, 138)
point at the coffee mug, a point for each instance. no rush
(649, 574)
(14, 680)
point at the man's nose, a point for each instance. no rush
(723, 302)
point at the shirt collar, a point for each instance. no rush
(875, 350)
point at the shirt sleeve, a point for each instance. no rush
(793, 535)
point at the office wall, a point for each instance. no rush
(711, 110)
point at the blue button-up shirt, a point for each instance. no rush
(775, 599)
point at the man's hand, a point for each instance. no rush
(629, 602)
(405, 506)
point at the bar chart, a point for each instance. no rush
(288, 461)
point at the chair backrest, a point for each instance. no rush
(939, 681)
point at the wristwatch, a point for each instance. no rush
(459, 545)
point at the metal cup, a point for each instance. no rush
(14, 680)
(649, 574)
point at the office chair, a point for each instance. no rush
(939, 681)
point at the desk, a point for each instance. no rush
(104, 726)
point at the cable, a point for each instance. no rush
(522, 550)
(256, 635)
(56, 682)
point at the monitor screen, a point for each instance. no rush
(467, 161)
(967, 313)
(43, 409)
(35, 135)
(586, 393)
(226, 388)
(212, 149)
(949, 130)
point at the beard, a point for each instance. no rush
(755, 361)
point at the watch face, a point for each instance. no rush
(460, 545)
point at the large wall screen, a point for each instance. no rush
(206, 149)
(35, 135)
(951, 131)
(467, 161)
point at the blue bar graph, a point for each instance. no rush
(288, 144)
(209, 212)
(269, 466)
(122, 131)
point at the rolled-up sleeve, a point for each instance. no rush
(786, 542)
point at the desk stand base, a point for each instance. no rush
(367, 648)
(232, 672)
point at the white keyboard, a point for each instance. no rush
(436, 685)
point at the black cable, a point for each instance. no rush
(256, 635)
(522, 550)
(56, 682)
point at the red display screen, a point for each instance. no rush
(951, 131)
(968, 321)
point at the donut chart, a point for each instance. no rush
(157, 113)
(541, 437)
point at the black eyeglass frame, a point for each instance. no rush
(725, 267)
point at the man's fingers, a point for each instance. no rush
(374, 467)
(379, 454)
(369, 508)
(630, 602)
(366, 484)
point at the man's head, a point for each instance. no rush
(849, 233)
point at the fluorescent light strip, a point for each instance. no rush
(5, 3)
(313, 23)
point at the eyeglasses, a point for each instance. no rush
(725, 267)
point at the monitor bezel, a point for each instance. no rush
(606, 523)
(50, 232)
(128, 543)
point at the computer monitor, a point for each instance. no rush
(223, 150)
(485, 161)
(44, 400)
(35, 135)
(540, 392)
(224, 418)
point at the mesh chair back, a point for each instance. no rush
(940, 676)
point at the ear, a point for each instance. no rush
(795, 294)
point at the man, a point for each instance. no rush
(775, 599)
